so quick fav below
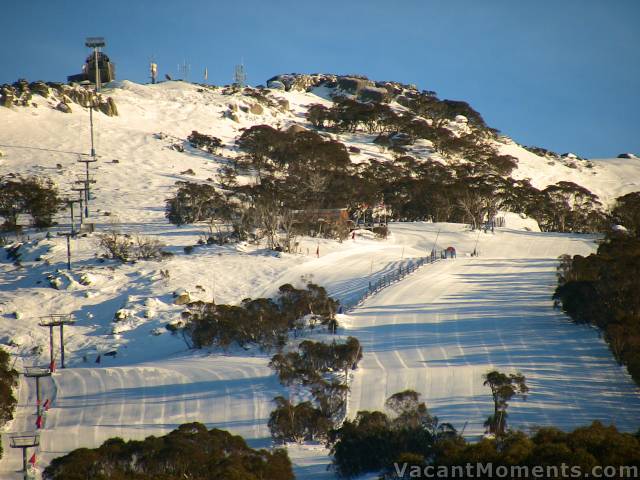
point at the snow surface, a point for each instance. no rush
(437, 331)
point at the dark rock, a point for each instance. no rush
(296, 129)
(276, 85)
(284, 104)
(8, 95)
(302, 82)
(256, 109)
(63, 107)
(109, 107)
(40, 88)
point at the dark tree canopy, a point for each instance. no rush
(191, 451)
(603, 290)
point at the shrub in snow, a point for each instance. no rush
(127, 248)
(55, 282)
(206, 142)
(121, 315)
(86, 279)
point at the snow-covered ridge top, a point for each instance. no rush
(176, 108)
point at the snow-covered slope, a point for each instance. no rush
(436, 331)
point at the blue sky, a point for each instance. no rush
(561, 74)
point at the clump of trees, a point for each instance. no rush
(194, 202)
(627, 212)
(300, 176)
(297, 423)
(547, 453)
(314, 359)
(35, 196)
(408, 439)
(8, 380)
(602, 289)
(374, 440)
(324, 369)
(264, 322)
(471, 190)
(129, 248)
(191, 451)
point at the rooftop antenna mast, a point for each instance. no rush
(240, 76)
(184, 70)
(96, 43)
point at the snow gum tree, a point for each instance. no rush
(503, 388)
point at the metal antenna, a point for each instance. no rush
(240, 76)
(96, 43)
(184, 69)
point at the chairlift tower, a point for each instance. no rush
(37, 373)
(82, 192)
(70, 203)
(24, 441)
(86, 181)
(56, 320)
